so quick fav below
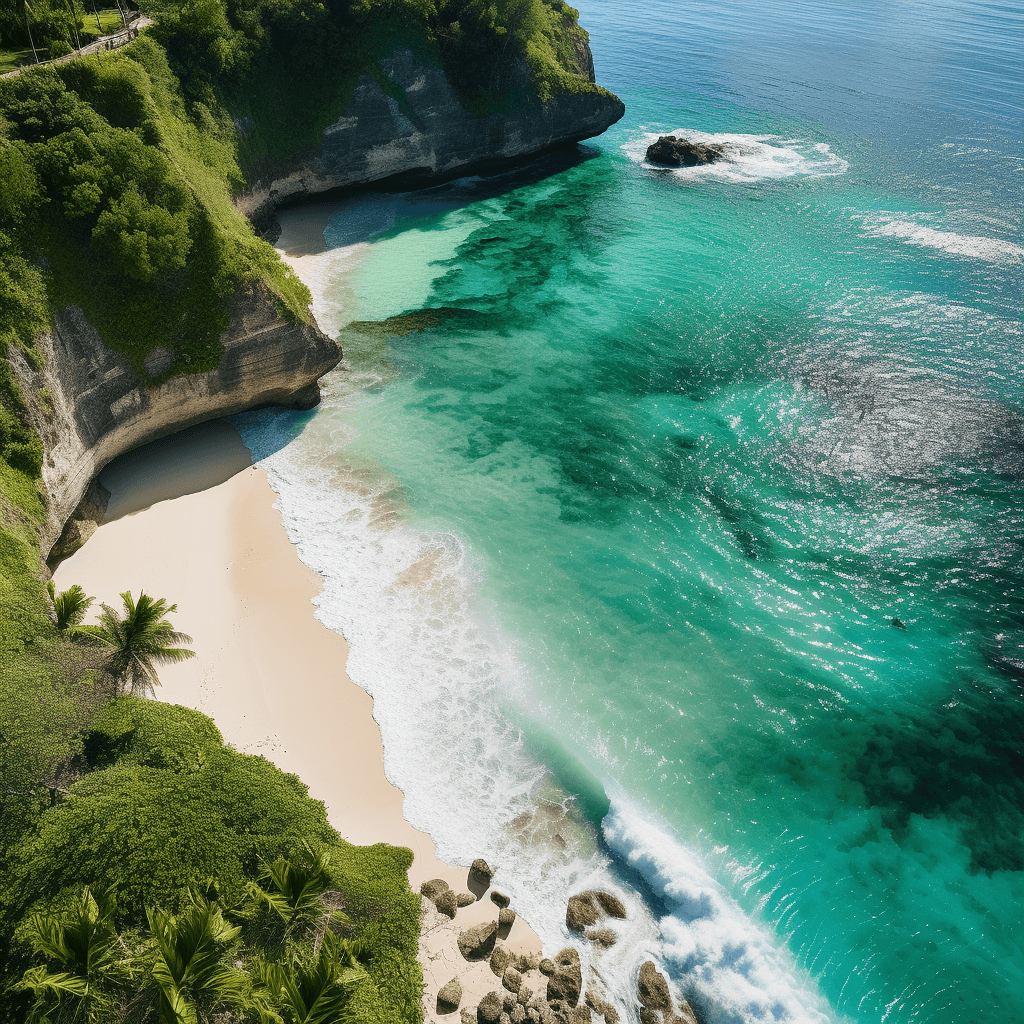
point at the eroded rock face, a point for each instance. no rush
(96, 406)
(672, 152)
(430, 136)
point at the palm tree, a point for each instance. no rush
(138, 640)
(84, 943)
(294, 888)
(315, 990)
(69, 606)
(189, 970)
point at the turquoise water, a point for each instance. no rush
(685, 445)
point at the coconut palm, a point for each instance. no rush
(293, 888)
(139, 640)
(69, 606)
(190, 970)
(315, 990)
(84, 944)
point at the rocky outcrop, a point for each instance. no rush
(565, 980)
(587, 908)
(672, 152)
(88, 405)
(419, 131)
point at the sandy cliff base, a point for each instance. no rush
(267, 672)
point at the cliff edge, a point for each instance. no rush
(88, 405)
(419, 131)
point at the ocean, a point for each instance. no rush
(681, 545)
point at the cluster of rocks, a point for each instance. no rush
(557, 996)
(672, 152)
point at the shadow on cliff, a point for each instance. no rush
(370, 213)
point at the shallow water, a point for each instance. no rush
(619, 536)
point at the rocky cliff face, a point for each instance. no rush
(427, 134)
(89, 406)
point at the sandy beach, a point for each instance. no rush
(192, 520)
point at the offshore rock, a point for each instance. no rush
(96, 407)
(672, 152)
(417, 130)
(652, 988)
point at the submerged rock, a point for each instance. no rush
(603, 938)
(672, 152)
(602, 1008)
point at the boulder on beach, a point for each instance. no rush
(500, 900)
(449, 997)
(566, 982)
(670, 151)
(506, 918)
(481, 873)
(447, 902)
(477, 943)
(511, 979)
(433, 888)
(463, 899)
(500, 959)
(489, 1009)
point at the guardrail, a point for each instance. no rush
(109, 42)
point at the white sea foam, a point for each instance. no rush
(977, 247)
(442, 677)
(747, 157)
(730, 967)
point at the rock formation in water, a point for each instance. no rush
(426, 134)
(88, 405)
(672, 152)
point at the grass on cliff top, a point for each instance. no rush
(125, 209)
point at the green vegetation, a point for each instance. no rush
(160, 805)
(138, 641)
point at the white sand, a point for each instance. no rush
(267, 672)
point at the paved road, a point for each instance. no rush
(110, 42)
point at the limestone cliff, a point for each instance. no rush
(88, 405)
(426, 134)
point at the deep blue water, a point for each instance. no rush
(688, 445)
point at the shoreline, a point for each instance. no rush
(196, 523)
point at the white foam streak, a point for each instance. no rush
(978, 247)
(747, 157)
(734, 970)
